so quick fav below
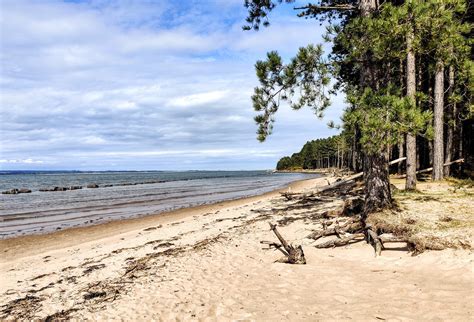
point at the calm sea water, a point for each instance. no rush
(127, 195)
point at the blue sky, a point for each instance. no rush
(132, 85)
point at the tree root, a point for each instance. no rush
(351, 225)
(294, 255)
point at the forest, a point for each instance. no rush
(332, 152)
(406, 70)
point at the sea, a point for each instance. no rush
(119, 195)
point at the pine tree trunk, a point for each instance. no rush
(377, 185)
(420, 150)
(430, 152)
(354, 152)
(401, 152)
(461, 151)
(410, 183)
(450, 126)
(438, 149)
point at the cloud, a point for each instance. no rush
(198, 99)
(24, 161)
(102, 84)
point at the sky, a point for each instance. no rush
(143, 85)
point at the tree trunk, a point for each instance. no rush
(401, 152)
(430, 152)
(438, 149)
(367, 6)
(410, 183)
(450, 125)
(377, 185)
(354, 151)
(461, 152)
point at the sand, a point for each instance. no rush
(207, 263)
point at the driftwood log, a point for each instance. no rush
(342, 241)
(350, 225)
(294, 255)
(431, 168)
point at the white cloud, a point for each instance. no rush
(94, 140)
(82, 82)
(25, 161)
(214, 153)
(198, 99)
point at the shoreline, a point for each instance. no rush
(29, 244)
(208, 263)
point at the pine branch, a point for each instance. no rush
(315, 8)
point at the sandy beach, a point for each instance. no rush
(207, 263)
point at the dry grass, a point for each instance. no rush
(437, 215)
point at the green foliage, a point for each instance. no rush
(381, 112)
(259, 10)
(383, 115)
(368, 61)
(302, 82)
(316, 154)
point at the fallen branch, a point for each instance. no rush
(274, 245)
(392, 239)
(356, 176)
(342, 241)
(294, 255)
(351, 225)
(431, 168)
(374, 239)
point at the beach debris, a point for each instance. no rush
(22, 308)
(346, 221)
(152, 228)
(431, 168)
(92, 295)
(351, 225)
(16, 191)
(92, 268)
(60, 188)
(353, 238)
(294, 255)
(62, 315)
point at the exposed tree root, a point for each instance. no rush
(351, 225)
(294, 255)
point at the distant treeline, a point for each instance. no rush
(321, 153)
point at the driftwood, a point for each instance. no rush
(374, 239)
(349, 207)
(312, 196)
(342, 187)
(351, 225)
(294, 255)
(342, 241)
(345, 222)
(349, 180)
(431, 168)
(357, 175)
